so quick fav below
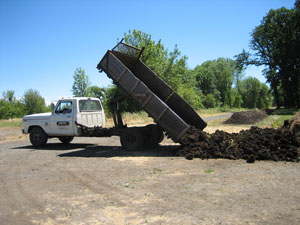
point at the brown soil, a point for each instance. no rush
(247, 117)
(253, 144)
(95, 181)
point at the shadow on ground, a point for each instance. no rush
(94, 150)
(117, 151)
(55, 146)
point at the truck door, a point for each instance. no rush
(62, 119)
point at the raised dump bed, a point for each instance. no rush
(158, 99)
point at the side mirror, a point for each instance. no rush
(52, 107)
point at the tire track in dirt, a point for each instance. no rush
(32, 200)
(11, 206)
(217, 117)
(100, 191)
(21, 205)
(17, 197)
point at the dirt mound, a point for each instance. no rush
(293, 125)
(247, 117)
(253, 144)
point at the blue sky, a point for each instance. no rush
(43, 42)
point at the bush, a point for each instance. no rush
(193, 97)
(10, 110)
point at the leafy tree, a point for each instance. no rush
(154, 54)
(265, 98)
(251, 90)
(10, 110)
(255, 94)
(9, 96)
(10, 107)
(192, 96)
(205, 78)
(81, 83)
(238, 76)
(275, 43)
(127, 105)
(236, 95)
(216, 77)
(97, 92)
(33, 102)
(209, 101)
(170, 66)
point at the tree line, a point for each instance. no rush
(275, 44)
(31, 102)
(214, 83)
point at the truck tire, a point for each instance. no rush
(66, 139)
(132, 138)
(38, 137)
(153, 135)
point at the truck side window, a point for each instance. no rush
(64, 107)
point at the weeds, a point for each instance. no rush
(134, 181)
(11, 123)
(220, 110)
(156, 171)
(209, 171)
(283, 111)
(277, 118)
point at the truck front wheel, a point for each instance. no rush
(66, 139)
(132, 139)
(38, 137)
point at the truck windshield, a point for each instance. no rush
(89, 106)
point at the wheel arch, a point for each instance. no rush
(33, 126)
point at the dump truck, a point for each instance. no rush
(172, 115)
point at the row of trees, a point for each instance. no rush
(275, 44)
(30, 103)
(214, 83)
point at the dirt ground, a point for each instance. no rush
(95, 181)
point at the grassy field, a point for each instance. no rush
(219, 110)
(11, 123)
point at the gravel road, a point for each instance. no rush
(95, 181)
(217, 117)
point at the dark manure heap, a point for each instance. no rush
(247, 117)
(253, 144)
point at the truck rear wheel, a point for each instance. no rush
(38, 137)
(132, 138)
(66, 139)
(153, 135)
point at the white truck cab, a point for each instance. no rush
(62, 121)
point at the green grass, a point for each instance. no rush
(156, 171)
(283, 111)
(11, 123)
(132, 182)
(209, 171)
(274, 120)
(278, 117)
(220, 110)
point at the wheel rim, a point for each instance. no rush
(37, 137)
